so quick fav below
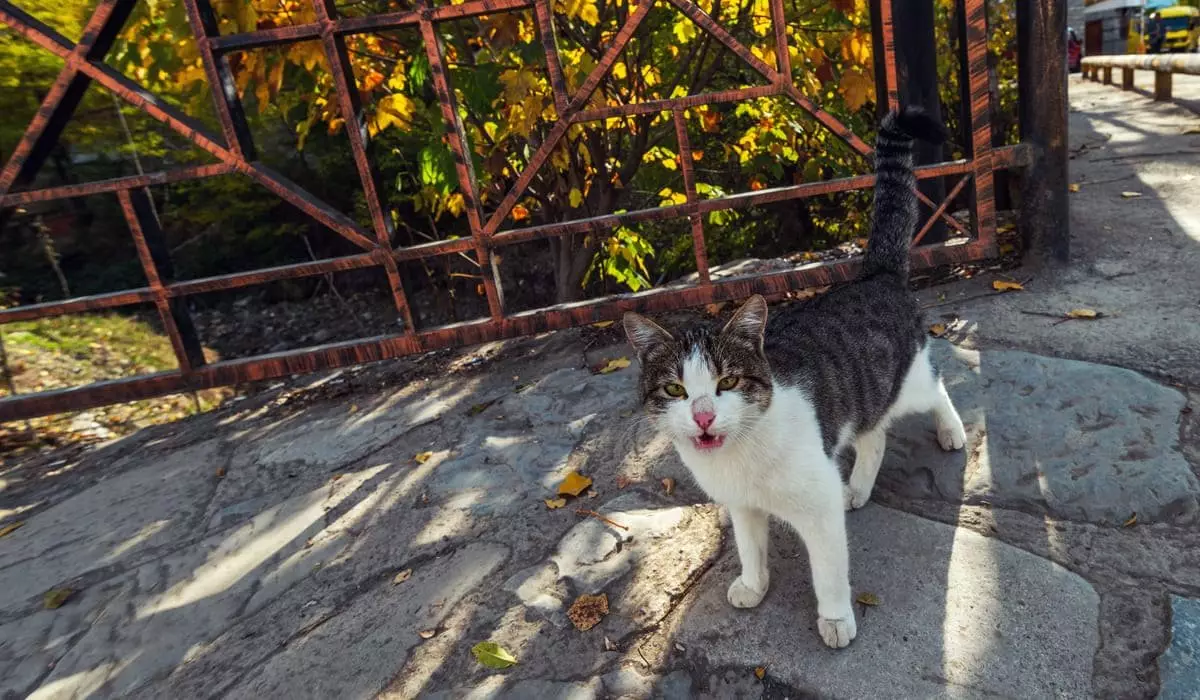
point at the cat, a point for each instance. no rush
(759, 412)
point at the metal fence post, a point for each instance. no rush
(1042, 82)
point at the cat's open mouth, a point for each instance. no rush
(704, 441)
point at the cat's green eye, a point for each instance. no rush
(728, 383)
(675, 390)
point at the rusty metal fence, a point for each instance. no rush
(235, 151)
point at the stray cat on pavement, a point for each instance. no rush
(759, 412)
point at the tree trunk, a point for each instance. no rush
(572, 258)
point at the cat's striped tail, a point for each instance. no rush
(895, 198)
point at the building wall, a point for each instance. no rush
(1075, 18)
(1115, 30)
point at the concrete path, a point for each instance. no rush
(356, 536)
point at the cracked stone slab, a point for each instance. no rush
(520, 443)
(620, 684)
(961, 615)
(1075, 440)
(363, 647)
(335, 436)
(113, 524)
(1179, 665)
(644, 570)
(170, 608)
(664, 547)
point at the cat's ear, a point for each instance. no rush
(643, 333)
(750, 321)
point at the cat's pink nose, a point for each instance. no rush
(704, 418)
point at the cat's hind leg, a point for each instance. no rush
(924, 392)
(950, 431)
(868, 455)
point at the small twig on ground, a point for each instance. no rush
(1111, 179)
(591, 341)
(1047, 314)
(1063, 318)
(591, 513)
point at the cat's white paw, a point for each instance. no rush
(743, 596)
(853, 499)
(952, 437)
(837, 633)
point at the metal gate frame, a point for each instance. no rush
(234, 148)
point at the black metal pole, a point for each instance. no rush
(917, 78)
(1042, 82)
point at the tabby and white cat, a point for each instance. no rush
(758, 413)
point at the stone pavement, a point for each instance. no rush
(253, 552)
(356, 536)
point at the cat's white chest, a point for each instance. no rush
(772, 467)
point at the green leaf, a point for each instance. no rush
(480, 87)
(437, 167)
(493, 655)
(418, 74)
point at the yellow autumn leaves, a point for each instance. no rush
(583, 10)
(856, 85)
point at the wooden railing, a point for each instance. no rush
(1164, 66)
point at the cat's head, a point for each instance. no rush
(705, 387)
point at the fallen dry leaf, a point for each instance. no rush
(602, 324)
(1131, 521)
(1073, 187)
(574, 484)
(422, 457)
(668, 485)
(354, 408)
(608, 645)
(623, 481)
(401, 577)
(760, 672)
(937, 330)
(555, 503)
(57, 597)
(588, 610)
(868, 599)
(1005, 286)
(11, 528)
(427, 634)
(1082, 313)
(614, 365)
(1131, 195)
(493, 655)
(219, 473)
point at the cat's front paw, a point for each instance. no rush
(743, 596)
(837, 633)
(853, 499)
(952, 437)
